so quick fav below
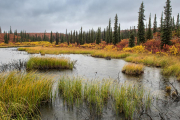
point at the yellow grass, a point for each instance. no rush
(49, 63)
(133, 69)
(21, 94)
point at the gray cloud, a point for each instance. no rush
(59, 15)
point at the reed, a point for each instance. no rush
(22, 94)
(127, 99)
(133, 69)
(49, 63)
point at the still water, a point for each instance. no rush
(95, 68)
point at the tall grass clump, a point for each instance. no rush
(133, 69)
(22, 94)
(125, 99)
(49, 63)
(130, 99)
(70, 90)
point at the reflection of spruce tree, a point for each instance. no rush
(115, 36)
(166, 34)
(155, 25)
(141, 30)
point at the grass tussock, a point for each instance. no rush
(133, 69)
(49, 63)
(22, 94)
(127, 99)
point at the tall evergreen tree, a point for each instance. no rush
(98, 39)
(109, 36)
(167, 31)
(161, 23)
(71, 37)
(10, 30)
(131, 40)
(81, 37)
(57, 38)
(119, 33)
(173, 24)
(155, 25)
(77, 40)
(141, 30)
(115, 36)
(104, 35)
(74, 34)
(177, 25)
(51, 38)
(149, 31)
(0, 30)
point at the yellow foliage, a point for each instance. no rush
(109, 47)
(173, 50)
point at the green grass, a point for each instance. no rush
(133, 69)
(22, 94)
(49, 63)
(126, 99)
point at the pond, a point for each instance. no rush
(98, 68)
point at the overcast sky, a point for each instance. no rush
(59, 15)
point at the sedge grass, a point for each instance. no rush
(126, 99)
(133, 69)
(22, 94)
(49, 63)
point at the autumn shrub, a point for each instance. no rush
(122, 44)
(153, 45)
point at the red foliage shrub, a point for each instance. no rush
(153, 45)
(122, 44)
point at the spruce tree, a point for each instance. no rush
(98, 39)
(51, 38)
(81, 37)
(57, 38)
(0, 30)
(167, 31)
(131, 39)
(14, 39)
(173, 24)
(149, 31)
(77, 40)
(177, 26)
(119, 33)
(115, 36)
(155, 25)
(141, 30)
(71, 37)
(109, 36)
(74, 35)
(10, 30)
(161, 23)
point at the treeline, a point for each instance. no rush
(167, 29)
